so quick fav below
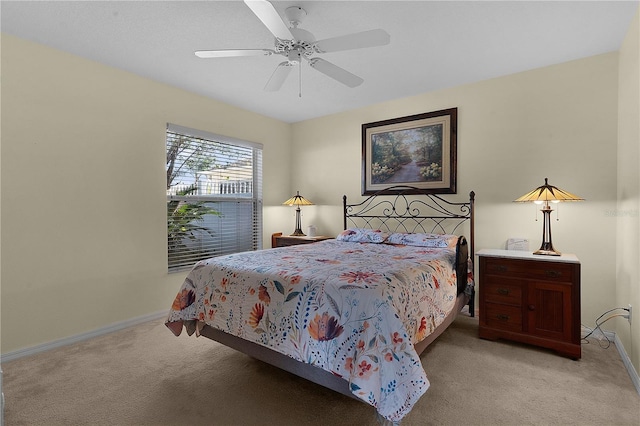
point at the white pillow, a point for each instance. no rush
(423, 240)
(363, 235)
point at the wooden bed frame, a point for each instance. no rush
(398, 214)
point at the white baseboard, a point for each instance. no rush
(10, 356)
(1, 401)
(627, 362)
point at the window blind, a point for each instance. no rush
(214, 196)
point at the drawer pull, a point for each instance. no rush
(553, 274)
(501, 268)
(532, 307)
(503, 291)
(502, 317)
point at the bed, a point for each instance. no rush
(352, 313)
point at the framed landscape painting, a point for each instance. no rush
(417, 150)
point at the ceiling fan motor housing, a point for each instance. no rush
(303, 42)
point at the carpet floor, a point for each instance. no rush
(146, 376)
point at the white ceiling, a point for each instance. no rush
(433, 45)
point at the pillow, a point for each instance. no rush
(362, 235)
(423, 240)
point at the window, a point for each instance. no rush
(214, 196)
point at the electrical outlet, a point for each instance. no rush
(629, 316)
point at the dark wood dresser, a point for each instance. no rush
(532, 299)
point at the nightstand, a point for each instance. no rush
(531, 299)
(279, 240)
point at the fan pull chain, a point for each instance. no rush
(300, 80)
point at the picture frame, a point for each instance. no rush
(417, 150)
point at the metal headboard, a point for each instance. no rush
(428, 213)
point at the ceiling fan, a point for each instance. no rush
(296, 44)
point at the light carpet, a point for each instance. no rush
(146, 376)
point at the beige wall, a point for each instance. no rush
(83, 190)
(558, 122)
(628, 210)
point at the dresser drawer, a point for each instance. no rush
(504, 317)
(543, 270)
(279, 240)
(503, 291)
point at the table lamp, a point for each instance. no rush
(298, 200)
(544, 195)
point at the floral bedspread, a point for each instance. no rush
(352, 309)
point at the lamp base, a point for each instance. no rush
(548, 252)
(298, 232)
(546, 248)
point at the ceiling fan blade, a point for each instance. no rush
(335, 72)
(270, 17)
(278, 77)
(360, 40)
(227, 53)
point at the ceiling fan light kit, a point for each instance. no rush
(296, 44)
